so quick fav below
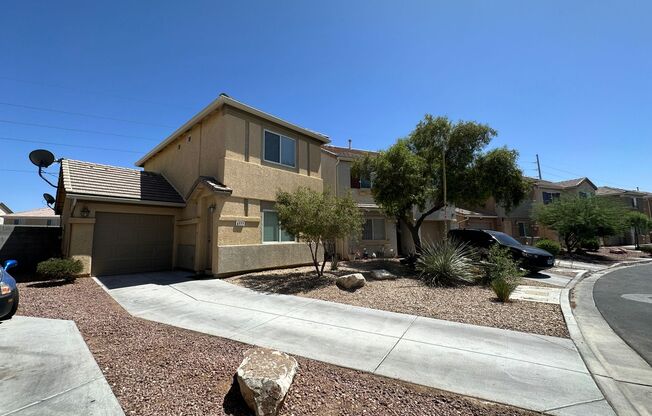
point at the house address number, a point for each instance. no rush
(239, 223)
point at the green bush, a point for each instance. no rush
(503, 288)
(446, 263)
(591, 244)
(56, 269)
(550, 246)
(646, 249)
(500, 265)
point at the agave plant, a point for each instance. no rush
(446, 263)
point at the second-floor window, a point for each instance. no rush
(549, 197)
(280, 149)
(583, 195)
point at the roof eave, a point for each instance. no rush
(99, 198)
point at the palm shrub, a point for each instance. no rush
(550, 246)
(446, 263)
(55, 269)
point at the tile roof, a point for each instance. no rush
(571, 183)
(609, 190)
(38, 212)
(211, 183)
(346, 152)
(85, 178)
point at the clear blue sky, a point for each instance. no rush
(571, 81)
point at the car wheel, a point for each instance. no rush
(12, 312)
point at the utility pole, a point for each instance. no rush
(443, 159)
(539, 167)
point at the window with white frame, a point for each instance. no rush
(279, 149)
(374, 229)
(272, 230)
(549, 197)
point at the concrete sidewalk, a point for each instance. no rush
(530, 371)
(47, 369)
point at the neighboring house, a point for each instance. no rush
(519, 222)
(379, 232)
(634, 200)
(4, 210)
(39, 217)
(204, 201)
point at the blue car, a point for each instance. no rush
(8, 291)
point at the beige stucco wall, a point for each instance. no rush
(242, 258)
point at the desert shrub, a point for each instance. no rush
(446, 263)
(646, 249)
(550, 246)
(503, 288)
(500, 265)
(591, 244)
(54, 268)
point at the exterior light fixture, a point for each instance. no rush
(85, 212)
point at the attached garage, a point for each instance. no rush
(132, 243)
(481, 223)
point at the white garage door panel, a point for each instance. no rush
(132, 243)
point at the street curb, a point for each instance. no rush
(597, 366)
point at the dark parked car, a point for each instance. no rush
(8, 291)
(531, 258)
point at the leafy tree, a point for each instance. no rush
(318, 218)
(640, 223)
(582, 219)
(408, 175)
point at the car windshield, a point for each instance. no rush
(505, 239)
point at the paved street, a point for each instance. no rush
(624, 297)
(530, 371)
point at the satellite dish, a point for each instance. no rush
(49, 199)
(41, 158)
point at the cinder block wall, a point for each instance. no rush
(28, 245)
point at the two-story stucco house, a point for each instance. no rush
(204, 200)
(379, 235)
(519, 222)
(636, 201)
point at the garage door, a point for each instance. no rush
(132, 243)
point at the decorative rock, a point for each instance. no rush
(264, 377)
(617, 250)
(351, 281)
(382, 274)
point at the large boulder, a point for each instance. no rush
(382, 274)
(264, 377)
(351, 281)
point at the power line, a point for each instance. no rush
(77, 130)
(17, 139)
(77, 90)
(52, 110)
(580, 175)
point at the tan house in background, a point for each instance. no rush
(634, 200)
(379, 236)
(4, 210)
(204, 200)
(44, 217)
(519, 222)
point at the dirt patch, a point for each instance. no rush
(156, 369)
(475, 305)
(606, 256)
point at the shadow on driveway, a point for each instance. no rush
(139, 279)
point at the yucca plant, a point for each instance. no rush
(503, 288)
(446, 263)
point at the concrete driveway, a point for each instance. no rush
(530, 371)
(47, 369)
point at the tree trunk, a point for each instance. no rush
(314, 253)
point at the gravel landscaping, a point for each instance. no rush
(475, 305)
(155, 369)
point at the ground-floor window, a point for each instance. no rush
(522, 230)
(272, 230)
(374, 229)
